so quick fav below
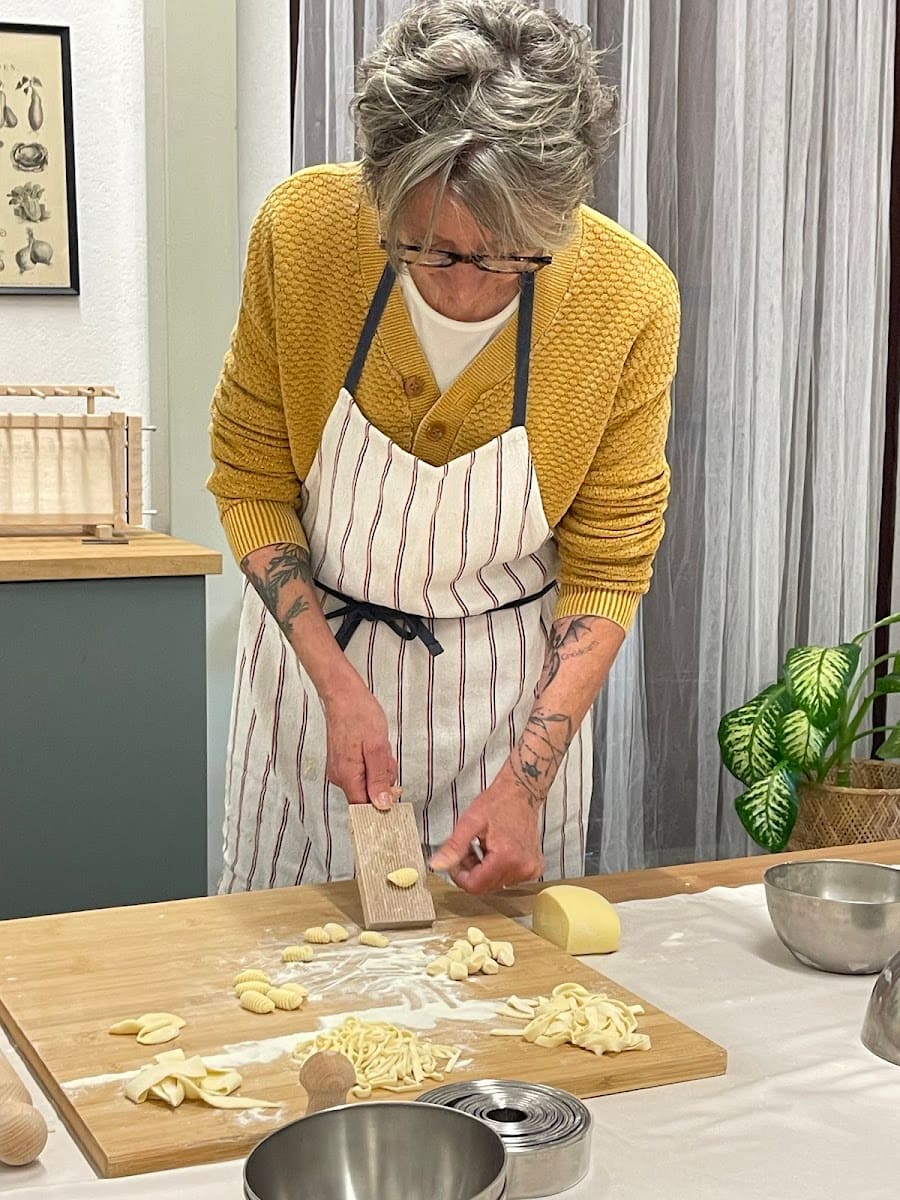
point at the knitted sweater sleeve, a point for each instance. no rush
(253, 479)
(609, 535)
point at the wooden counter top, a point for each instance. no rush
(27, 559)
(652, 883)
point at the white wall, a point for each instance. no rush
(232, 59)
(101, 335)
(263, 160)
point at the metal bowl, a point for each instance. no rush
(881, 1028)
(836, 915)
(379, 1151)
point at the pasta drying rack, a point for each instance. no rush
(70, 472)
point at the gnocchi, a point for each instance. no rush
(475, 936)
(252, 973)
(404, 877)
(317, 935)
(297, 954)
(251, 985)
(336, 933)
(369, 937)
(285, 998)
(257, 1002)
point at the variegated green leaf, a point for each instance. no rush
(748, 736)
(888, 684)
(890, 747)
(817, 679)
(801, 743)
(768, 810)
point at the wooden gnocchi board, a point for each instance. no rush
(64, 979)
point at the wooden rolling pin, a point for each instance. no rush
(326, 1076)
(23, 1131)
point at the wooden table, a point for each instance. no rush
(654, 882)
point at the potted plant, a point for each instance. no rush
(791, 747)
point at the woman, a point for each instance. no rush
(439, 459)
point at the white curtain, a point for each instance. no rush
(754, 156)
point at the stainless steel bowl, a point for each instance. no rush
(380, 1150)
(836, 915)
(881, 1028)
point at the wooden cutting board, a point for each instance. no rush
(65, 979)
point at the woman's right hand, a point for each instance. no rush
(360, 759)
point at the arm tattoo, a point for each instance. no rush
(546, 738)
(540, 753)
(287, 563)
(569, 638)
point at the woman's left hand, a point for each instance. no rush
(507, 824)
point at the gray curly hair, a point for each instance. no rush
(500, 102)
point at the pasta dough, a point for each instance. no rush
(173, 1078)
(577, 919)
(151, 1029)
(251, 985)
(404, 877)
(297, 954)
(573, 1015)
(383, 1056)
(369, 937)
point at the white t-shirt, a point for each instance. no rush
(448, 345)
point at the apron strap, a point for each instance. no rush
(406, 625)
(523, 349)
(523, 339)
(379, 300)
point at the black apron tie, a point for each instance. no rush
(406, 625)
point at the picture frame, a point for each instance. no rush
(38, 212)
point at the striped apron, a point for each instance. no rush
(441, 585)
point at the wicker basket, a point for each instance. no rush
(867, 811)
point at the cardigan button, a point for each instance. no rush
(436, 431)
(414, 386)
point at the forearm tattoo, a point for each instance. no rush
(286, 564)
(548, 733)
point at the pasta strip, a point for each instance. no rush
(384, 1056)
(574, 1016)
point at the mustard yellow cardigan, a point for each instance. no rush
(604, 346)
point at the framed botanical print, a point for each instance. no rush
(38, 229)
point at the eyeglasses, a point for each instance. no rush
(512, 264)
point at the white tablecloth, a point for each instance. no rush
(804, 1111)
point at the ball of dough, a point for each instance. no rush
(577, 919)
